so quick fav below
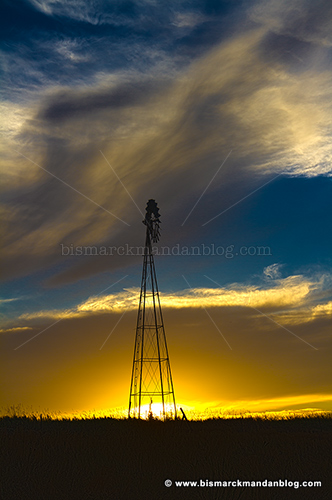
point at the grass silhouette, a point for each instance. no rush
(44, 456)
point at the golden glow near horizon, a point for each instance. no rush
(191, 413)
(103, 361)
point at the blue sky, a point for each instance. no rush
(221, 111)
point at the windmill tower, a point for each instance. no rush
(151, 379)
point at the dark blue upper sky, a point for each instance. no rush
(105, 36)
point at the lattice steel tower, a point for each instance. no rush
(151, 379)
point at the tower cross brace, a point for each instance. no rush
(151, 378)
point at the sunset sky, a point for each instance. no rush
(221, 112)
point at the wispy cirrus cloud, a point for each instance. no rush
(91, 12)
(5, 301)
(306, 314)
(288, 295)
(138, 12)
(155, 129)
(15, 329)
(301, 19)
(272, 271)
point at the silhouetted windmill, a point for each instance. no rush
(151, 379)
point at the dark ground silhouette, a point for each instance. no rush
(102, 459)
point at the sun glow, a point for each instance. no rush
(156, 411)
